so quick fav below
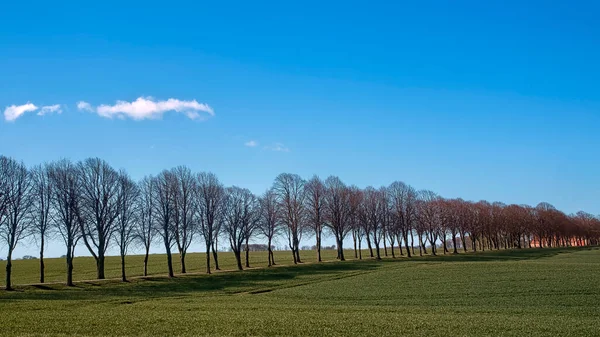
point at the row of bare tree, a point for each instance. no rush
(90, 202)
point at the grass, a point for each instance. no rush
(27, 271)
(533, 292)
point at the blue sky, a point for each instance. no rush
(493, 100)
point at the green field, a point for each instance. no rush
(533, 292)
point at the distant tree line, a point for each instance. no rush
(93, 204)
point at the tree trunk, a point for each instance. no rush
(341, 249)
(406, 244)
(354, 239)
(8, 269)
(123, 276)
(247, 251)
(296, 250)
(238, 258)
(169, 260)
(319, 247)
(369, 245)
(42, 260)
(359, 249)
(69, 268)
(182, 260)
(269, 252)
(146, 261)
(454, 244)
(422, 249)
(207, 258)
(100, 265)
(384, 245)
(400, 244)
(215, 251)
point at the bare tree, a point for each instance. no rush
(385, 217)
(370, 213)
(356, 199)
(18, 198)
(66, 201)
(41, 216)
(291, 196)
(239, 215)
(145, 226)
(184, 226)
(210, 199)
(403, 203)
(269, 223)
(250, 223)
(100, 207)
(337, 211)
(217, 233)
(164, 212)
(315, 200)
(428, 218)
(127, 217)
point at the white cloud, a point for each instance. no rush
(148, 108)
(84, 106)
(278, 147)
(50, 109)
(11, 113)
(251, 143)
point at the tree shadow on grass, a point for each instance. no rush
(500, 255)
(252, 281)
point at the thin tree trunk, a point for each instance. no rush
(123, 276)
(318, 247)
(215, 251)
(298, 255)
(247, 250)
(208, 258)
(369, 245)
(359, 249)
(146, 260)
(400, 244)
(238, 258)
(354, 239)
(454, 244)
(169, 261)
(9, 269)
(69, 267)
(384, 245)
(42, 260)
(341, 249)
(406, 244)
(182, 259)
(270, 253)
(421, 246)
